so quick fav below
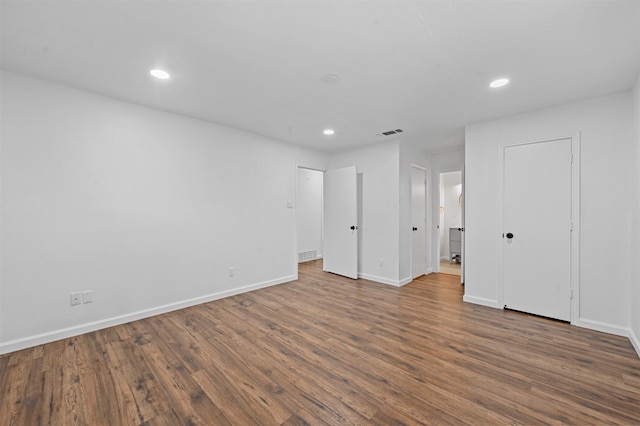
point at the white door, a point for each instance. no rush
(537, 228)
(340, 222)
(418, 222)
(462, 226)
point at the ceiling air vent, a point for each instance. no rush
(392, 132)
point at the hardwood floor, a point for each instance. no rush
(328, 350)
(450, 268)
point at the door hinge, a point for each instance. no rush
(571, 294)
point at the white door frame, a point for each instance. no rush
(435, 224)
(575, 218)
(426, 233)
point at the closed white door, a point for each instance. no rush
(418, 222)
(537, 228)
(340, 222)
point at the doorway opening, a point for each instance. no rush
(327, 217)
(450, 223)
(309, 221)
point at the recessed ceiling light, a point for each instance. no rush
(162, 75)
(499, 82)
(330, 79)
(328, 132)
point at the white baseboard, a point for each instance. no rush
(592, 325)
(604, 327)
(404, 281)
(611, 329)
(382, 280)
(39, 339)
(395, 283)
(310, 260)
(635, 341)
(481, 301)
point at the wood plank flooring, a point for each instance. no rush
(328, 350)
(450, 268)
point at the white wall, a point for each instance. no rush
(309, 210)
(635, 224)
(447, 160)
(605, 126)
(145, 208)
(379, 230)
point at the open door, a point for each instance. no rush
(341, 222)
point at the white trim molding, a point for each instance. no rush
(39, 339)
(481, 301)
(611, 329)
(635, 341)
(382, 280)
(603, 327)
(405, 281)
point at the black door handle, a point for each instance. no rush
(415, 229)
(509, 235)
(353, 227)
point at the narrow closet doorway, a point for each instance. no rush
(309, 190)
(450, 225)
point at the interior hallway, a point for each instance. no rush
(450, 268)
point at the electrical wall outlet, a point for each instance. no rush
(381, 262)
(76, 298)
(87, 296)
(232, 271)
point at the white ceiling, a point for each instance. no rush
(421, 66)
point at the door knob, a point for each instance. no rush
(509, 235)
(415, 229)
(353, 227)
